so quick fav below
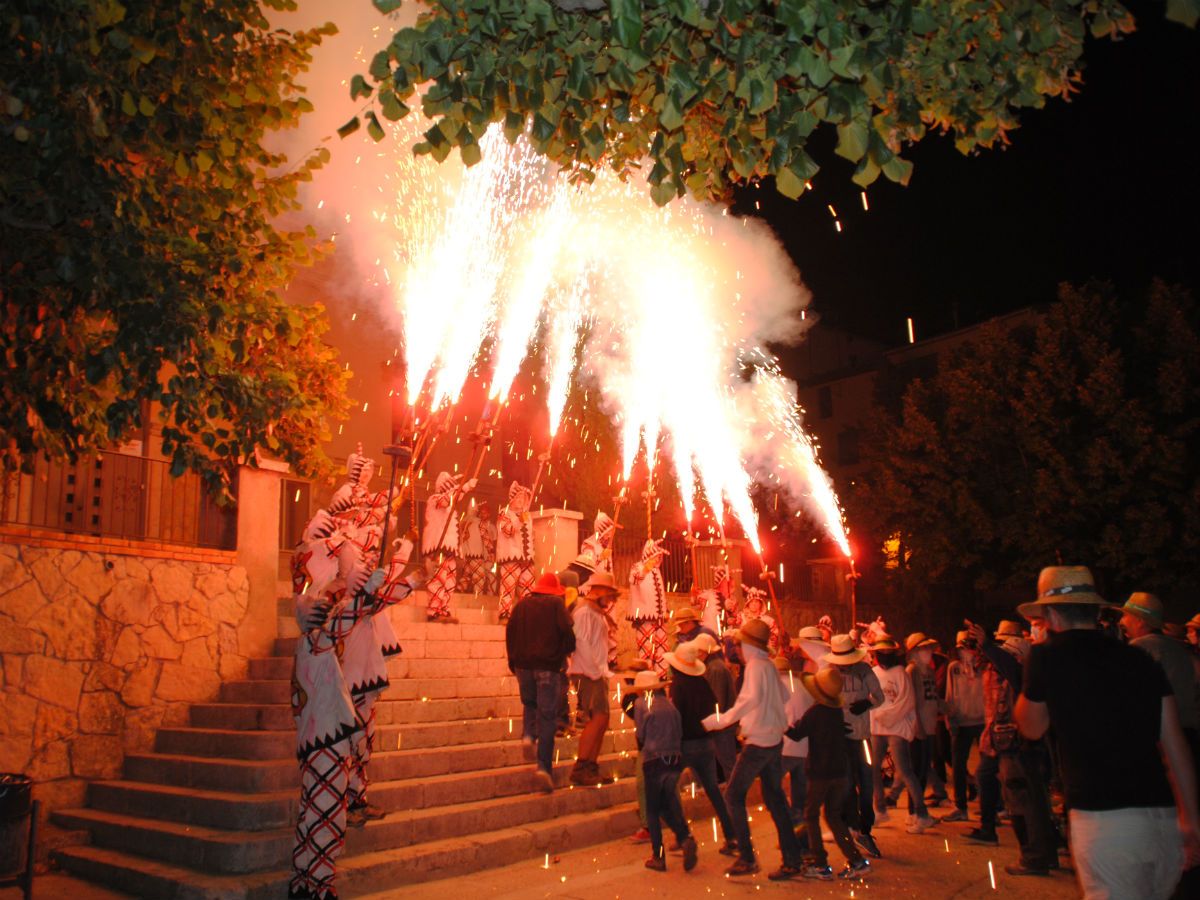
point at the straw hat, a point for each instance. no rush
(647, 681)
(705, 643)
(825, 686)
(600, 582)
(686, 659)
(1008, 631)
(885, 642)
(1193, 623)
(548, 583)
(811, 633)
(755, 632)
(1146, 607)
(961, 638)
(917, 641)
(687, 614)
(842, 651)
(1062, 584)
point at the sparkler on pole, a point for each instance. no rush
(543, 457)
(395, 452)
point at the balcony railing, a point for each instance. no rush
(119, 496)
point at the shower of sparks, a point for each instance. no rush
(505, 259)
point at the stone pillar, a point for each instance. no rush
(555, 538)
(258, 552)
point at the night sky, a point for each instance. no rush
(1103, 186)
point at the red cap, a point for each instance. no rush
(547, 583)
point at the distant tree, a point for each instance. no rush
(140, 260)
(712, 93)
(1074, 441)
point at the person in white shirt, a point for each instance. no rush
(893, 726)
(589, 672)
(760, 710)
(795, 753)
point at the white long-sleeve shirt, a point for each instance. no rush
(798, 704)
(897, 715)
(760, 708)
(590, 658)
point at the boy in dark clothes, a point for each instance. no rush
(694, 698)
(659, 736)
(827, 765)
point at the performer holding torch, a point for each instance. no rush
(439, 544)
(514, 549)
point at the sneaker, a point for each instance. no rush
(742, 867)
(785, 873)
(882, 816)
(689, 854)
(1019, 869)
(528, 749)
(641, 836)
(955, 815)
(982, 836)
(860, 869)
(920, 824)
(656, 864)
(937, 800)
(819, 873)
(910, 820)
(544, 781)
(867, 842)
(729, 848)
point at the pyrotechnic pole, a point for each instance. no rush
(482, 437)
(395, 452)
(853, 579)
(543, 457)
(618, 502)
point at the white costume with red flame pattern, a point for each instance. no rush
(514, 548)
(648, 606)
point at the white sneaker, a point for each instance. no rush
(920, 824)
(955, 815)
(544, 781)
(910, 819)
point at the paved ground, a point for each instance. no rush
(913, 866)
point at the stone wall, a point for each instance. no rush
(100, 647)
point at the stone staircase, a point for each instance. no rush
(209, 812)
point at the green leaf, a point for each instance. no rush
(381, 65)
(626, 19)
(852, 140)
(107, 13)
(866, 173)
(145, 107)
(391, 106)
(181, 166)
(898, 170)
(387, 6)
(349, 128)
(128, 104)
(470, 153)
(514, 124)
(1186, 12)
(204, 161)
(359, 87)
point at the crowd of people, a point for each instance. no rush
(1074, 722)
(1078, 717)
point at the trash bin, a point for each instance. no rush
(18, 829)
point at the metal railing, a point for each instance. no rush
(120, 496)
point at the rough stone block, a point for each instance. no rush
(187, 683)
(69, 625)
(90, 578)
(50, 762)
(101, 712)
(139, 686)
(54, 681)
(130, 603)
(96, 756)
(447, 649)
(17, 714)
(23, 601)
(14, 753)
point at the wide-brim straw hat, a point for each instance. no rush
(1193, 622)
(599, 581)
(812, 633)
(918, 640)
(825, 686)
(687, 614)
(1008, 630)
(706, 643)
(842, 651)
(1146, 607)
(1062, 584)
(648, 681)
(756, 633)
(885, 642)
(685, 659)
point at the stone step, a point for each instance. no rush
(416, 735)
(403, 712)
(145, 877)
(413, 635)
(442, 659)
(232, 810)
(255, 692)
(242, 716)
(214, 850)
(226, 743)
(244, 775)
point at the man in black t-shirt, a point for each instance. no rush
(1115, 719)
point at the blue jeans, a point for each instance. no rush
(699, 756)
(662, 801)
(902, 758)
(540, 691)
(765, 764)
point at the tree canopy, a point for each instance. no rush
(140, 260)
(711, 93)
(1073, 440)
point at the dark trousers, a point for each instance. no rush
(962, 738)
(859, 810)
(942, 751)
(1027, 799)
(987, 777)
(662, 801)
(540, 693)
(726, 747)
(828, 794)
(699, 756)
(793, 770)
(765, 764)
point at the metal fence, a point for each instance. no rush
(121, 496)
